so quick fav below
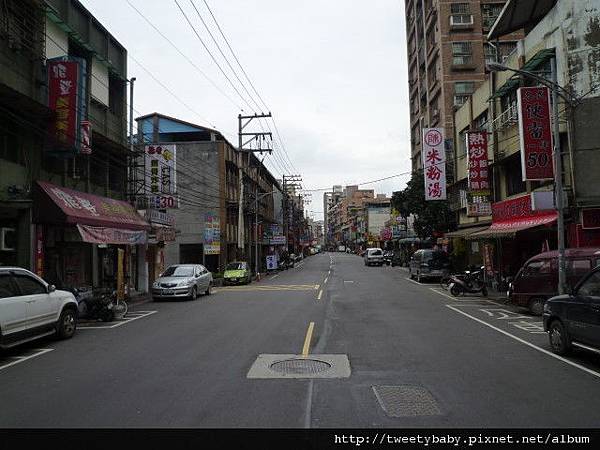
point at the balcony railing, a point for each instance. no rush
(507, 119)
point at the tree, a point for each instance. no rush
(430, 216)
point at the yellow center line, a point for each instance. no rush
(308, 338)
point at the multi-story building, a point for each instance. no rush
(447, 52)
(205, 209)
(329, 200)
(522, 220)
(63, 147)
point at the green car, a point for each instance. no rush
(237, 272)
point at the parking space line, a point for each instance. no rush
(456, 299)
(529, 344)
(123, 322)
(20, 359)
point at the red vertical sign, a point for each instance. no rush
(62, 98)
(535, 131)
(39, 251)
(478, 175)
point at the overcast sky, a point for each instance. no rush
(333, 74)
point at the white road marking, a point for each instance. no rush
(325, 282)
(415, 281)
(275, 276)
(523, 341)
(320, 294)
(20, 359)
(348, 281)
(462, 299)
(123, 322)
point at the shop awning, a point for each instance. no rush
(518, 14)
(59, 205)
(465, 232)
(508, 228)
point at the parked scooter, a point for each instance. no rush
(94, 307)
(471, 282)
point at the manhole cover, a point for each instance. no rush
(300, 366)
(403, 401)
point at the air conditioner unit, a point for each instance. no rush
(8, 239)
(461, 19)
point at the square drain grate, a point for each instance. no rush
(406, 401)
(297, 366)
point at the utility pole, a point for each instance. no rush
(290, 183)
(260, 139)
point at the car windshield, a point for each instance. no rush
(235, 266)
(179, 271)
(375, 252)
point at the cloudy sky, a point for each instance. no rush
(333, 73)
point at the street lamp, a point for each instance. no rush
(557, 91)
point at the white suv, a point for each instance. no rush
(30, 308)
(374, 256)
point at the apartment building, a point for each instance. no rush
(447, 52)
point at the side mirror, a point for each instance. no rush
(51, 289)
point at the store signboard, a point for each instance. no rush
(63, 92)
(590, 218)
(161, 175)
(212, 234)
(535, 131)
(86, 140)
(478, 174)
(434, 164)
(105, 235)
(271, 261)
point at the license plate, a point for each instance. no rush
(168, 292)
(233, 279)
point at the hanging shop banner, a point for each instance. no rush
(63, 92)
(478, 175)
(86, 142)
(535, 131)
(212, 234)
(104, 235)
(39, 251)
(478, 205)
(161, 176)
(434, 164)
(120, 274)
(435, 182)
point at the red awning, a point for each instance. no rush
(507, 228)
(57, 204)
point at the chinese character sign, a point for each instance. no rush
(478, 172)
(535, 132)
(161, 175)
(63, 76)
(434, 164)
(212, 234)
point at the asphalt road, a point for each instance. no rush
(418, 358)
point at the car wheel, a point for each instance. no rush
(536, 306)
(209, 290)
(67, 324)
(560, 342)
(194, 294)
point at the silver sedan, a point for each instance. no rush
(183, 281)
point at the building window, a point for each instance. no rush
(462, 91)
(489, 53)
(462, 53)
(490, 13)
(460, 14)
(462, 142)
(514, 178)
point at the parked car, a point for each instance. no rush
(341, 248)
(537, 280)
(237, 272)
(397, 259)
(30, 308)
(574, 319)
(428, 263)
(373, 257)
(182, 281)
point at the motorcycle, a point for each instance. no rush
(94, 307)
(469, 282)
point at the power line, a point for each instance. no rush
(363, 183)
